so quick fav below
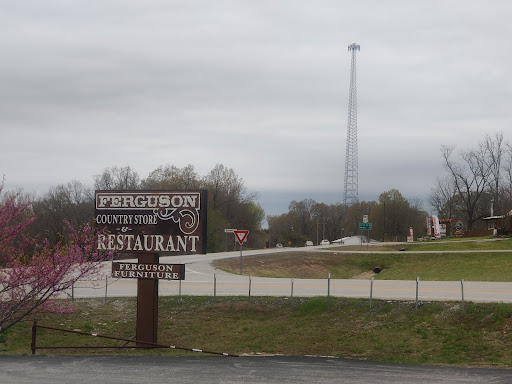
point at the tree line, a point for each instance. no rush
(477, 183)
(229, 203)
(391, 217)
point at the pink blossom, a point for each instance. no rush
(32, 272)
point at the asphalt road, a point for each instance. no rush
(282, 370)
(202, 279)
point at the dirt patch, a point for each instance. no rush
(364, 275)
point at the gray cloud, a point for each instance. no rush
(261, 87)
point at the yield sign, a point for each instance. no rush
(241, 236)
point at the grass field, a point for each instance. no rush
(436, 333)
(392, 331)
(429, 266)
(449, 245)
(449, 261)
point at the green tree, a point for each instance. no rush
(279, 228)
(72, 202)
(303, 218)
(394, 215)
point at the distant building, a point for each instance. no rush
(499, 224)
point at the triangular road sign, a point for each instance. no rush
(241, 236)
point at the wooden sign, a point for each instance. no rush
(150, 223)
(148, 271)
(163, 222)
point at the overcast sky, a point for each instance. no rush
(259, 86)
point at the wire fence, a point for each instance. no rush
(105, 281)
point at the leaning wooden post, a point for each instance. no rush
(34, 334)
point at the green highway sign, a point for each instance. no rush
(365, 226)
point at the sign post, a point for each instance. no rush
(226, 231)
(365, 225)
(147, 303)
(148, 223)
(241, 236)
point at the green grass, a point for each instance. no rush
(436, 333)
(447, 267)
(489, 244)
(436, 266)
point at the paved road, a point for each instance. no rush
(203, 279)
(282, 370)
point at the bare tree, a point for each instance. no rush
(471, 177)
(117, 178)
(494, 149)
(442, 197)
(226, 191)
(506, 190)
(330, 221)
(228, 199)
(172, 178)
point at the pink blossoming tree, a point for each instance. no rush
(31, 271)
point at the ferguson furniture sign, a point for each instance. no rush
(152, 221)
(149, 271)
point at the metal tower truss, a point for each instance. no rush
(350, 195)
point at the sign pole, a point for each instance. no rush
(241, 259)
(147, 304)
(240, 235)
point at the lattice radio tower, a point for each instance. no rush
(350, 193)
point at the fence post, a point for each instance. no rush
(106, 285)
(329, 292)
(250, 281)
(214, 288)
(462, 290)
(179, 294)
(417, 285)
(371, 292)
(291, 294)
